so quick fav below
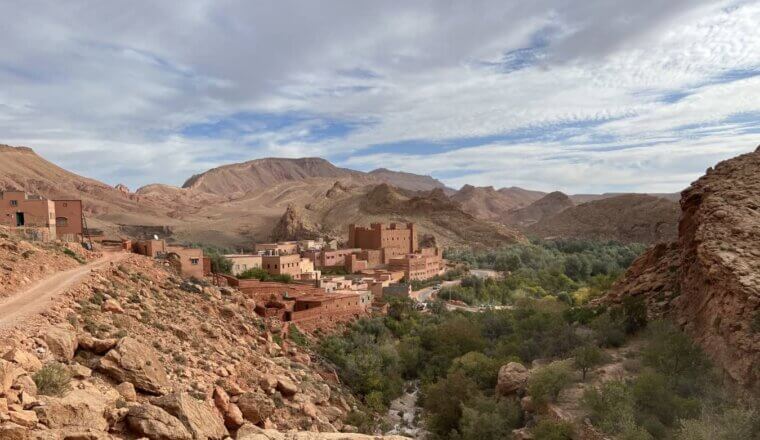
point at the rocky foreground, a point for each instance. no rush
(708, 281)
(136, 352)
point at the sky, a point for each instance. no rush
(582, 97)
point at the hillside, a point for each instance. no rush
(490, 204)
(235, 180)
(409, 181)
(630, 218)
(433, 212)
(123, 357)
(706, 279)
(22, 169)
(543, 208)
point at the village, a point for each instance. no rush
(315, 284)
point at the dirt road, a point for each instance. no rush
(37, 297)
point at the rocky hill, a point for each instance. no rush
(630, 218)
(490, 204)
(543, 208)
(433, 212)
(236, 180)
(707, 280)
(22, 169)
(409, 181)
(123, 356)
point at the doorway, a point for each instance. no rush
(20, 219)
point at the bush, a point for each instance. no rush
(733, 424)
(74, 255)
(443, 402)
(53, 379)
(609, 331)
(547, 382)
(610, 405)
(485, 418)
(551, 430)
(635, 312)
(670, 352)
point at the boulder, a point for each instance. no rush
(23, 359)
(79, 408)
(255, 407)
(127, 391)
(24, 418)
(202, 421)
(233, 417)
(113, 306)
(131, 361)
(95, 345)
(513, 379)
(8, 374)
(12, 431)
(156, 424)
(62, 342)
(286, 387)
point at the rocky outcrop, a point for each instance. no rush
(708, 281)
(292, 227)
(131, 361)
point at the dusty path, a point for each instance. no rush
(38, 296)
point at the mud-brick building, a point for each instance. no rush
(188, 261)
(61, 219)
(68, 219)
(425, 264)
(394, 240)
(243, 262)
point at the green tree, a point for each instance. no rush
(547, 382)
(586, 357)
(670, 352)
(485, 418)
(442, 402)
(483, 370)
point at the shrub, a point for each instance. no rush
(547, 382)
(635, 312)
(551, 430)
(611, 406)
(295, 335)
(485, 418)
(670, 352)
(53, 379)
(74, 255)
(609, 331)
(443, 402)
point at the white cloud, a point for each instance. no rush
(85, 82)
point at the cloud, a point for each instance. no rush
(590, 96)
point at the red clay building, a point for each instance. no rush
(419, 266)
(17, 209)
(394, 240)
(68, 219)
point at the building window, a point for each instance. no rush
(61, 222)
(194, 261)
(14, 202)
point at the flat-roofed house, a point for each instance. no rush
(18, 209)
(243, 262)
